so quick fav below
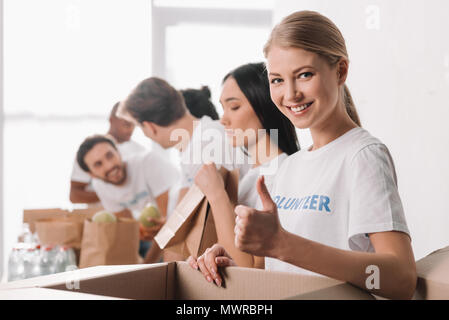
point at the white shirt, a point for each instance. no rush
(208, 143)
(338, 194)
(148, 176)
(247, 193)
(126, 149)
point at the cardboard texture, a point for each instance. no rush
(30, 216)
(177, 280)
(344, 291)
(433, 276)
(48, 294)
(64, 231)
(109, 243)
(190, 229)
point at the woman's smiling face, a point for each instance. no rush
(303, 86)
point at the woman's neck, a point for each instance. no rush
(264, 150)
(336, 125)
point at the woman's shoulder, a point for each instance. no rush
(365, 143)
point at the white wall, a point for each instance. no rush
(399, 79)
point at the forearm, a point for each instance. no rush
(395, 280)
(82, 196)
(224, 218)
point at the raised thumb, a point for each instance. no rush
(267, 202)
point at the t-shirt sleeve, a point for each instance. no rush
(160, 174)
(375, 204)
(79, 174)
(211, 146)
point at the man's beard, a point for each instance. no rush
(121, 181)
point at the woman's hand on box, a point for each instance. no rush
(148, 233)
(209, 180)
(208, 263)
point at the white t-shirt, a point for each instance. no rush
(208, 143)
(338, 194)
(148, 176)
(247, 193)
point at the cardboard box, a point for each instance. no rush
(48, 294)
(433, 276)
(177, 280)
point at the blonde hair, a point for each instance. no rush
(314, 32)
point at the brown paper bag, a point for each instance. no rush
(64, 231)
(190, 229)
(110, 243)
(30, 216)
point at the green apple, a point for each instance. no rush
(149, 211)
(104, 216)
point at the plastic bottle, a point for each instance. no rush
(61, 259)
(15, 265)
(46, 261)
(36, 262)
(71, 260)
(28, 260)
(25, 235)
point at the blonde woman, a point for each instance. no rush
(334, 208)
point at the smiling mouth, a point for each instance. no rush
(300, 108)
(113, 172)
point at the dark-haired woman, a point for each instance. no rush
(251, 122)
(198, 102)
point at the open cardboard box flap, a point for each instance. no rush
(177, 280)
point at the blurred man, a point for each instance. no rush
(125, 187)
(161, 112)
(120, 131)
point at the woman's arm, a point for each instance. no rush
(392, 262)
(260, 233)
(209, 180)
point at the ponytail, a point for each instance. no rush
(349, 105)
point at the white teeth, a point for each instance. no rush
(300, 108)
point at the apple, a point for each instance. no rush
(149, 211)
(104, 216)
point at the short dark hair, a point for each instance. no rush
(87, 145)
(155, 100)
(113, 113)
(198, 102)
(252, 79)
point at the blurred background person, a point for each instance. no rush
(126, 187)
(120, 130)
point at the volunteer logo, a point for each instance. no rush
(139, 196)
(318, 203)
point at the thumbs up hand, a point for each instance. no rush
(258, 232)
